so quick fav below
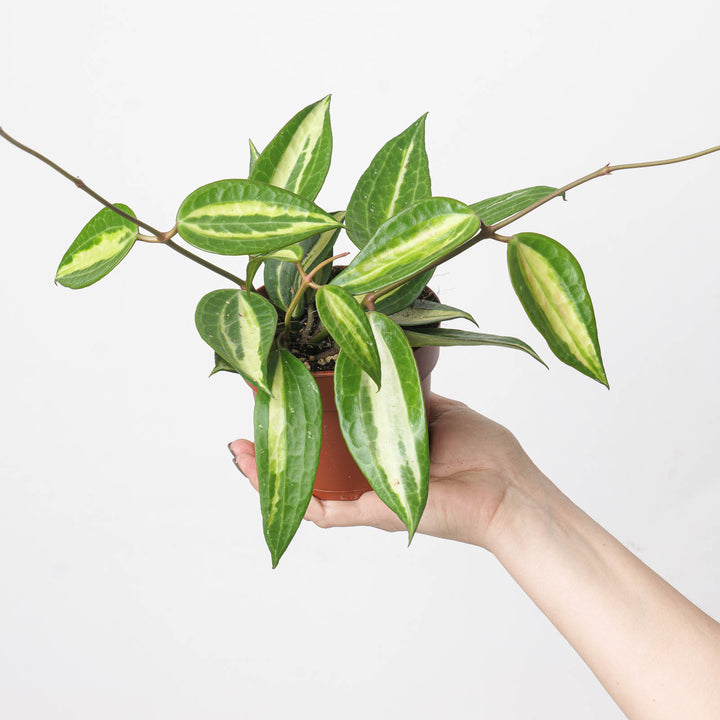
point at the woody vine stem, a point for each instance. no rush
(487, 231)
(164, 238)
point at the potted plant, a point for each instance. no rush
(356, 325)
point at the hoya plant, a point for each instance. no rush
(362, 318)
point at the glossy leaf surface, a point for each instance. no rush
(243, 217)
(254, 155)
(408, 243)
(222, 365)
(448, 337)
(349, 326)
(288, 427)
(404, 295)
(500, 207)
(386, 429)
(397, 177)
(290, 254)
(282, 280)
(550, 284)
(426, 312)
(298, 157)
(101, 245)
(240, 327)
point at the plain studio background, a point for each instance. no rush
(134, 580)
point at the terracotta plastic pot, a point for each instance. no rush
(338, 476)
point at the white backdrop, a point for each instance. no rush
(134, 581)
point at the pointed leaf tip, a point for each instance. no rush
(349, 326)
(385, 429)
(397, 177)
(550, 284)
(298, 157)
(101, 245)
(288, 430)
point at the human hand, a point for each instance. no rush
(475, 465)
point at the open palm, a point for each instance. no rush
(472, 463)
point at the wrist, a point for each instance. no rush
(527, 510)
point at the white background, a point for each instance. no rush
(134, 581)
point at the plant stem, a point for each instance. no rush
(79, 183)
(159, 236)
(304, 285)
(606, 170)
(205, 263)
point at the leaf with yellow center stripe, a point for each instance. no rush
(245, 217)
(397, 177)
(288, 255)
(283, 280)
(348, 323)
(500, 207)
(240, 327)
(386, 429)
(550, 284)
(298, 157)
(411, 241)
(99, 247)
(288, 428)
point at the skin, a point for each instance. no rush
(656, 653)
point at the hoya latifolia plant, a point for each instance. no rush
(365, 319)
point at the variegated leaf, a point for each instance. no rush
(426, 312)
(290, 254)
(498, 208)
(448, 337)
(397, 177)
(404, 295)
(222, 365)
(412, 241)
(254, 155)
(282, 280)
(245, 217)
(298, 157)
(551, 286)
(386, 429)
(99, 247)
(288, 429)
(348, 324)
(240, 327)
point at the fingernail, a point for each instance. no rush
(230, 449)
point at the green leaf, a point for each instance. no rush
(240, 327)
(222, 365)
(298, 157)
(290, 254)
(426, 312)
(244, 217)
(348, 324)
(282, 281)
(288, 429)
(411, 241)
(398, 176)
(99, 247)
(498, 208)
(447, 337)
(551, 286)
(386, 429)
(254, 155)
(404, 295)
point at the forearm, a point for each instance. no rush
(655, 652)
